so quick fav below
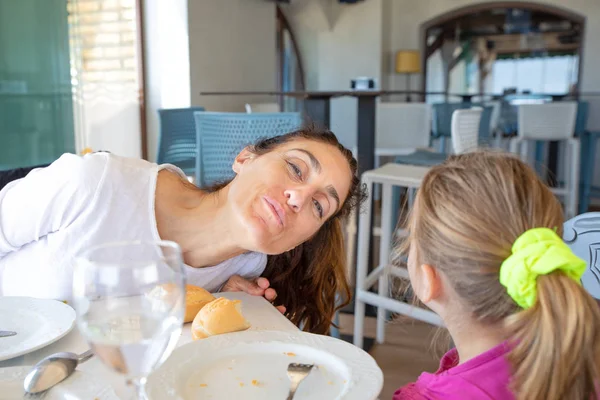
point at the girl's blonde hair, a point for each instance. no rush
(467, 214)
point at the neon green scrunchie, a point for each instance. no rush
(537, 252)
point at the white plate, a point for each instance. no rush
(252, 365)
(38, 322)
(78, 386)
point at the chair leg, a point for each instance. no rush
(540, 146)
(364, 237)
(588, 176)
(442, 144)
(335, 332)
(574, 150)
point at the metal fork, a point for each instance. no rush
(297, 373)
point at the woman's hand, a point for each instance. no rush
(255, 287)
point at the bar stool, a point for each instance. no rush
(389, 176)
(553, 122)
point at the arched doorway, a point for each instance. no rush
(503, 46)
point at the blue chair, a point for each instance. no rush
(589, 141)
(177, 139)
(442, 121)
(221, 136)
(582, 235)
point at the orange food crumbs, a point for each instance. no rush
(203, 385)
(229, 368)
(330, 383)
(241, 384)
(254, 382)
(290, 354)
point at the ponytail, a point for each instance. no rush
(556, 343)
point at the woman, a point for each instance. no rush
(279, 218)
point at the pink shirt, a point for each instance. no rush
(484, 377)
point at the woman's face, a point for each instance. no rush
(282, 198)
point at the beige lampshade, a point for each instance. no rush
(408, 62)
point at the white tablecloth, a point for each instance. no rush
(259, 312)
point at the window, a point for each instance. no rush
(290, 76)
(106, 75)
(546, 75)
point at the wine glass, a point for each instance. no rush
(130, 303)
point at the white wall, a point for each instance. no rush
(167, 62)
(338, 45)
(232, 48)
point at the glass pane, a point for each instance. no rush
(36, 110)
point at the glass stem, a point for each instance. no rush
(140, 388)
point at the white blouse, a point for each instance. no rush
(54, 213)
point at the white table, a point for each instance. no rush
(259, 312)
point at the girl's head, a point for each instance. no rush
(288, 200)
(466, 217)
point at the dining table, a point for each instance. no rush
(261, 315)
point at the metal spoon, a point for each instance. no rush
(7, 333)
(52, 370)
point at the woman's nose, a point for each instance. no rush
(295, 199)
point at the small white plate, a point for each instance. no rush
(78, 386)
(38, 322)
(252, 365)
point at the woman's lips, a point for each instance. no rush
(276, 209)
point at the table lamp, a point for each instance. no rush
(408, 62)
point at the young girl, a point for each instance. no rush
(485, 253)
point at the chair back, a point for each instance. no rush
(442, 117)
(485, 130)
(465, 130)
(550, 121)
(403, 126)
(177, 138)
(582, 234)
(221, 136)
(495, 115)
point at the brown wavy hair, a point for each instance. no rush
(467, 214)
(309, 278)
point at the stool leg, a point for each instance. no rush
(384, 255)
(362, 267)
(350, 246)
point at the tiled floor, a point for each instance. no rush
(410, 348)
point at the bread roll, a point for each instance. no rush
(217, 317)
(195, 298)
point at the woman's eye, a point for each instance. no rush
(319, 208)
(297, 171)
